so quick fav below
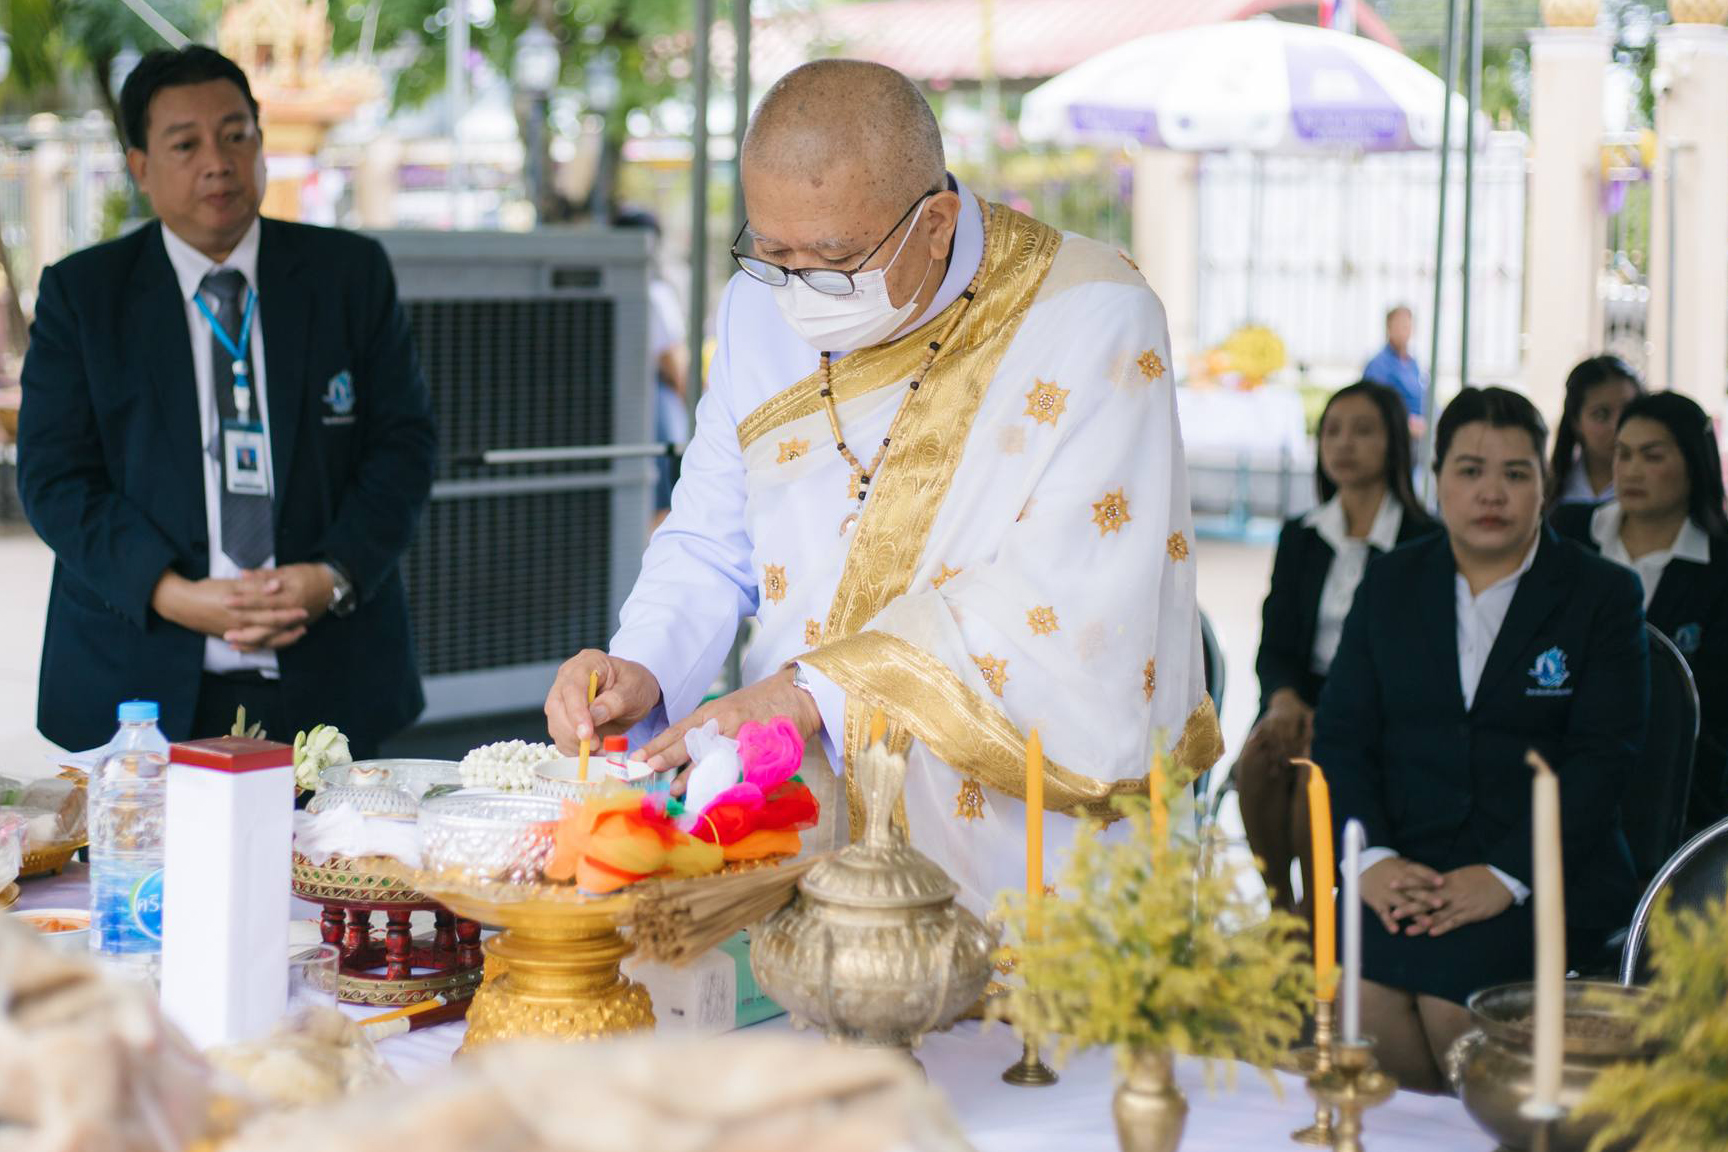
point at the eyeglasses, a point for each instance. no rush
(828, 281)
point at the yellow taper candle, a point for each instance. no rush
(582, 764)
(1325, 874)
(878, 727)
(1548, 887)
(1034, 819)
(1160, 809)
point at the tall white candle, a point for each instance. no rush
(1354, 841)
(1550, 895)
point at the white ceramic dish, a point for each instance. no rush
(74, 942)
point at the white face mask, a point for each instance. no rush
(862, 317)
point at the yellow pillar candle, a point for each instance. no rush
(878, 727)
(1034, 820)
(582, 765)
(1325, 865)
(1549, 892)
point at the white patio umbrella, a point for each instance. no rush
(1260, 85)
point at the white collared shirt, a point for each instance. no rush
(190, 268)
(1575, 488)
(1480, 618)
(1349, 562)
(1690, 543)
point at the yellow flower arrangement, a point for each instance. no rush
(1677, 1101)
(1158, 949)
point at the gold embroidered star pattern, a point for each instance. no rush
(812, 633)
(994, 671)
(790, 450)
(969, 804)
(1177, 546)
(1151, 366)
(774, 582)
(944, 576)
(1111, 513)
(1046, 402)
(1151, 679)
(1041, 620)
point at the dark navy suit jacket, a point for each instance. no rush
(1291, 614)
(111, 476)
(1690, 608)
(1568, 676)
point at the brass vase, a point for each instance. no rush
(1150, 1110)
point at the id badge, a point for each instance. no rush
(243, 459)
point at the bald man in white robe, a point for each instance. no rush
(939, 462)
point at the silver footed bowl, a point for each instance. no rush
(488, 837)
(390, 788)
(1491, 1068)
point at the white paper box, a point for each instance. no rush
(225, 901)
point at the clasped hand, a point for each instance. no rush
(263, 609)
(1418, 901)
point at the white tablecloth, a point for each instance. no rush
(1072, 1116)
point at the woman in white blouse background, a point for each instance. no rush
(1668, 525)
(1597, 391)
(1367, 508)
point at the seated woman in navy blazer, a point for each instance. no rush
(1367, 508)
(1462, 653)
(1667, 524)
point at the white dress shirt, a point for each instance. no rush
(190, 268)
(1349, 562)
(1690, 544)
(1575, 488)
(1480, 617)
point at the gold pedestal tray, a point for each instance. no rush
(553, 972)
(48, 861)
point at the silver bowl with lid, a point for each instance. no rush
(488, 836)
(387, 788)
(874, 950)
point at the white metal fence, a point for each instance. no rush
(1318, 249)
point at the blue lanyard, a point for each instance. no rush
(242, 370)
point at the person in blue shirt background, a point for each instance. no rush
(1394, 367)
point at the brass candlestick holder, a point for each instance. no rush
(1315, 1062)
(1029, 1071)
(1354, 1085)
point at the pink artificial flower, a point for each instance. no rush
(771, 753)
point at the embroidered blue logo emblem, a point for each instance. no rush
(1550, 670)
(1687, 637)
(339, 393)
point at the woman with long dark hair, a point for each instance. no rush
(1597, 391)
(1367, 507)
(1667, 523)
(1464, 652)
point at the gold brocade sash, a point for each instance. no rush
(929, 702)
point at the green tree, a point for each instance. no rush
(642, 41)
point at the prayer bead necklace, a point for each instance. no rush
(866, 474)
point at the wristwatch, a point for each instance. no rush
(342, 598)
(800, 679)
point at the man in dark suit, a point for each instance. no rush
(227, 515)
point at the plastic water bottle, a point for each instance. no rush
(128, 809)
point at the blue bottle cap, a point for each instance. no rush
(139, 712)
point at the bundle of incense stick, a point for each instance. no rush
(676, 921)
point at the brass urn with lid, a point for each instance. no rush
(874, 950)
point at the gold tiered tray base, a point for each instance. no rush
(48, 861)
(553, 971)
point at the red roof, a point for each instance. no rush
(941, 41)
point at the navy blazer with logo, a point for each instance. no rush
(1690, 608)
(111, 474)
(1567, 676)
(1291, 614)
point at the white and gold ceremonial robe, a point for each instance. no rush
(1022, 560)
